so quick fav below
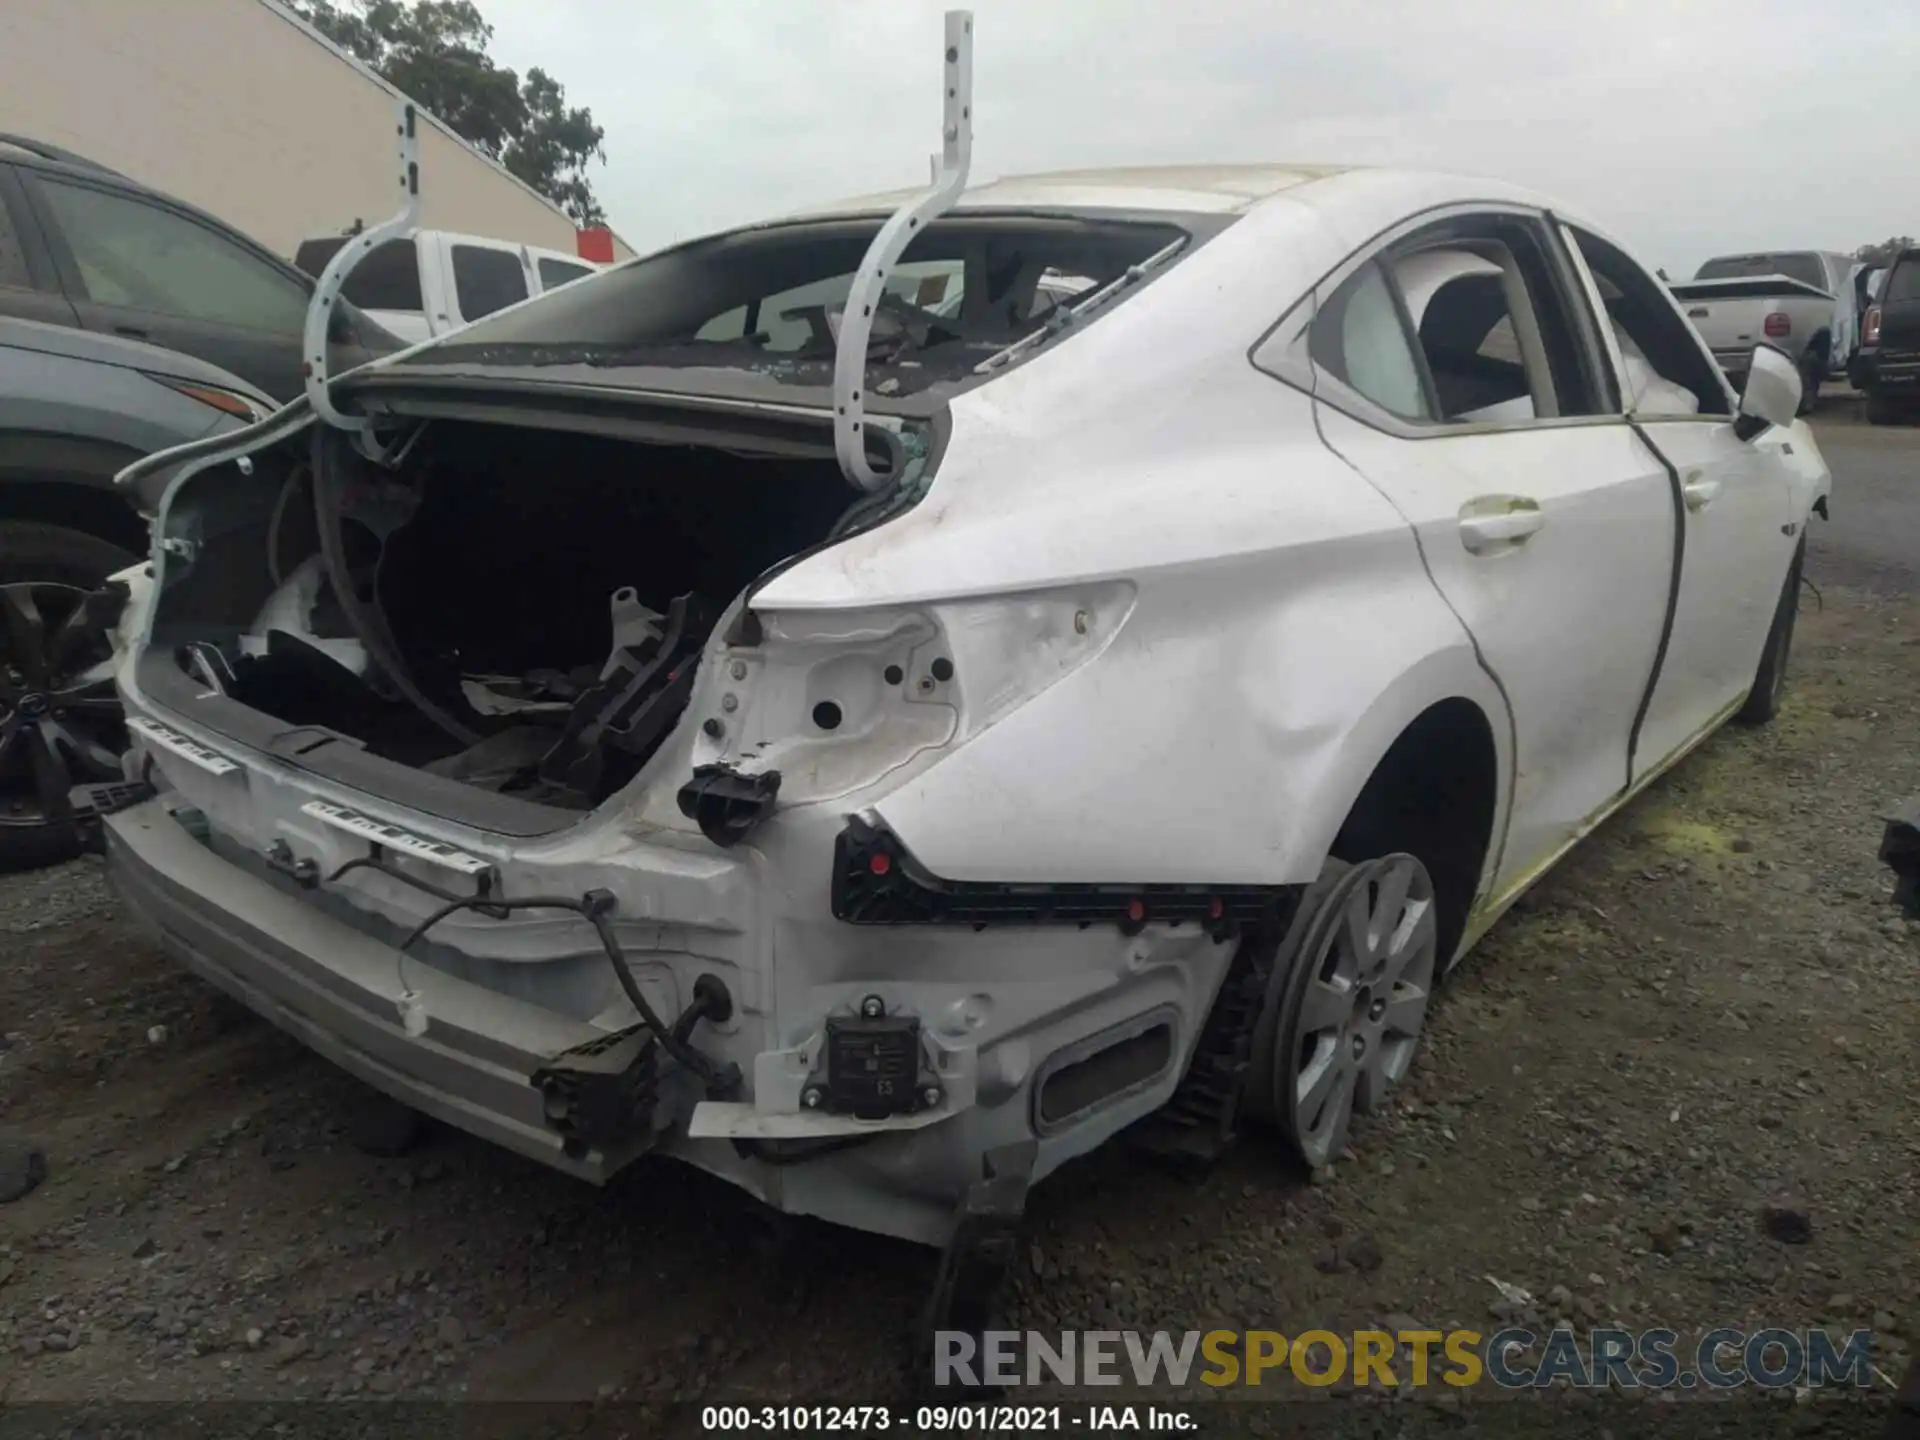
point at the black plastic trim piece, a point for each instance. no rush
(1104, 1069)
(726, 804)
(876, 881)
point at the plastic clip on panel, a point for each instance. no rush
(870, 280)
(326, 290)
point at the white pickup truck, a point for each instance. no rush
(1799, 301)
(423, 285)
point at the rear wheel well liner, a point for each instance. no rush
(75, 503)
(1435, 794)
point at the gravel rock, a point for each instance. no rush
(1788, 1224)
(23, 1165)
(1363, 1253)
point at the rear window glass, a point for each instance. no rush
(1795, 265)
(770, 300)
(1903, 281)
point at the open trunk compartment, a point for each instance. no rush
(499, 629)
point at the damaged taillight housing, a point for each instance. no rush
(877, 881)
(838, 699)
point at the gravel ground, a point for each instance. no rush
(1709, 1009)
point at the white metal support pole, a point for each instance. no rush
(326, 291)
(870, 280)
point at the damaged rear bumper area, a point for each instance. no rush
(339, 991)
(868, 1094)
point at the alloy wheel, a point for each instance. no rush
(60, 721)
(1354, 1018)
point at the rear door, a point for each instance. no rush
(1737, 526)
(137, 267)
(29, 288)
(1451, 371)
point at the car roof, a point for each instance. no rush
(1174, 189)
(39, 155)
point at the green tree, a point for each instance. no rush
(436, 52)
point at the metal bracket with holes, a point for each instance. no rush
(870, 280)
(326, 290)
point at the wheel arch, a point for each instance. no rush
(1444, 712)
(67, 480)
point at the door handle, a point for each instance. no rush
(132, 332)
(1489, 531)
(1699, 489)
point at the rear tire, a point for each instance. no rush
(1770, 681)
(1349, 994)
(30, 551)
(1813, 370)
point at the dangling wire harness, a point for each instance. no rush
(594, 907)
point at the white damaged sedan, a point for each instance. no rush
(1246, 582)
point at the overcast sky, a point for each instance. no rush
(1688, 127)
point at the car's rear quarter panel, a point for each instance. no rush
(1284, 629)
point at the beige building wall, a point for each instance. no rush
(236, 108)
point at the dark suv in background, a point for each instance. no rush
(1886, 367)
(85, 246)
(87, 249)
(128, 322)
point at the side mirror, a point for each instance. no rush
(1771, 395)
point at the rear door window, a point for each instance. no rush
(1466, 322)
(555, 273)
(486, 280)
(1359, 340)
